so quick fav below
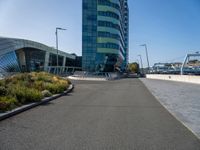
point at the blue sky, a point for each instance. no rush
(170, 28)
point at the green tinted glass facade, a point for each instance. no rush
(105, 35)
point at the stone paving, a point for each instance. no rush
(181, 99)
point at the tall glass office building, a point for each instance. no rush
(105, 35)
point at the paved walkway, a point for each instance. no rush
(113, 115)
(181, 99)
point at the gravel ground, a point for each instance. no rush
(181, 99)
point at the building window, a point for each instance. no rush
(108, 14)
(53, 60)
(9, 63)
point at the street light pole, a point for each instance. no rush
(146, 55)
(57, 46)
(141, 64)
(57, 51)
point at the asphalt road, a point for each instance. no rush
(114, 115)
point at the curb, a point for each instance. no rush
(32, 105)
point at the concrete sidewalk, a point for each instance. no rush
(113, 115)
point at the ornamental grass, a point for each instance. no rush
(31, 87)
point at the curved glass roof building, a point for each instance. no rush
(105, 35)
(20, 55)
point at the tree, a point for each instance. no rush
(133, 67)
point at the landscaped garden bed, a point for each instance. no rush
(27, 88)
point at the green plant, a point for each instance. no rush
(33, 95)
(26, 87)
(2, 82)
(3, 91)
(39, 85)
(7, 103)
(43, 76)
(56, 87)
(69, 82)
(26, 95)
(51, 87)
(62, 87)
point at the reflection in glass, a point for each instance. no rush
(9, 63)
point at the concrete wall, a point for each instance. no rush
(46, 64)
(179, 78)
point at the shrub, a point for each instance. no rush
(3, 91)
(25, 83)
(7, 103)
(39, 85)
(55, 79)
(18, 92)
(43, 76)
(51, 87)
(23, 78)
(2, 82)
(62, 87)
(46, 93)
(56, 87)
(69, 82)
(26, 95)
(25, 88)
(32, 95)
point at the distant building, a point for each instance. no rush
(194, 62)
(105, 35)
(19, 55)
(177, 64)
(167, 68)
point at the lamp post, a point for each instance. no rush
(146, 55)
(141, 64)
(57, 45)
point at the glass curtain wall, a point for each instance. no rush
(9, 63)
(89, 35)
(34, 59)
(105, 35)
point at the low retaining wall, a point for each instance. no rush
(179, 78)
